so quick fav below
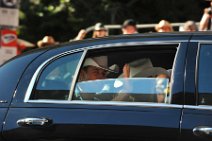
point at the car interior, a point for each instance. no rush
(158, 57)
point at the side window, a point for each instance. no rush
(205, 75)
(131, 75)
(55, 80)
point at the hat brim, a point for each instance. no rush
(41, 43)
(99, 29)
(152, 72)
(91, 62)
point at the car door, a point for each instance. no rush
(48, 107)
(197, 113)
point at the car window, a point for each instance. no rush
(56, 78)
(130, 75)
(205, 75)
(131, 89)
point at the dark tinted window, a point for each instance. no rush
(55, 80)
(205, 75)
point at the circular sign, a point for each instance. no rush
(10, 3)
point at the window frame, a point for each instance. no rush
(198, 106)
(85, 50)
(39, 70)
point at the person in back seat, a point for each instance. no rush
(148, 72)
(94, 68)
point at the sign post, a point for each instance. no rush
(9, 21)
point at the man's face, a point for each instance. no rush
(129, 29)
(101, 33)
(164, 29)
(94, 73)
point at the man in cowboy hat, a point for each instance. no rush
(129, 27)
(46, 41)
(95, 68)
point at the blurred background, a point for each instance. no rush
(64, 18)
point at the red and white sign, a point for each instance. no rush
(8, 38)
(8, 44)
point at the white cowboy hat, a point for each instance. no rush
(152, 72)
(100, 62)
(138, 65)
(47, 40)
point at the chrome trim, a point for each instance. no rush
(3, 101)
(200, 107)
(177, 42)
(71, 92)
(32, 82)
(32, 121)
(202, 131)
(112, 103)
(196, 73)
(35, 75)
(202, 41)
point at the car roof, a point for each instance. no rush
(168, 36)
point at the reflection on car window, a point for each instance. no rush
(132, 89)
(55, 80)
(205, 75)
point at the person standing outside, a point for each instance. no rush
(205, 23)
(99, 31)
(46, 41)
(129, 27)
(164, 26)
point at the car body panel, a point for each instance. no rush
(195, 116)
(94, 122)
(3, 112)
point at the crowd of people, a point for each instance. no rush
(129, 27)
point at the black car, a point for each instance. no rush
(155, 86)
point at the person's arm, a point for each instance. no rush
(204, 21)
(124, 96)
(81, 35)
(126, 71)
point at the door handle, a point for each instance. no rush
(203, 131)
(25, 122)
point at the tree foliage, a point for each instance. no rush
(64, 18)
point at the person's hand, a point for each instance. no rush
(208, 12)
(126, 71)
(81, 34)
